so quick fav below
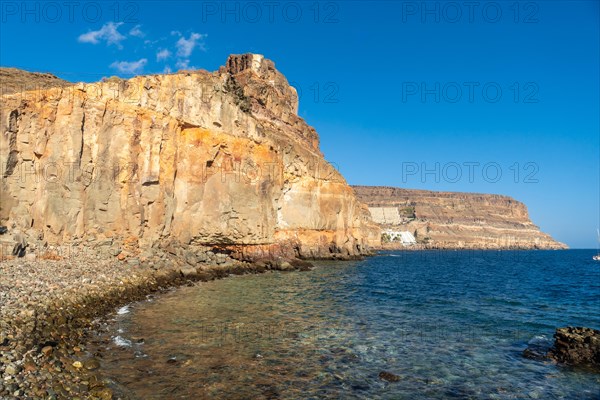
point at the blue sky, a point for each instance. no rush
(499, 97)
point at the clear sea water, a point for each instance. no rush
(449, 324)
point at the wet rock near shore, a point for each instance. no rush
(577, 346)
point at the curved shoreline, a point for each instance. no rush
(50, 307)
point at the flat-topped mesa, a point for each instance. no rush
(455, 220)
(200, 158)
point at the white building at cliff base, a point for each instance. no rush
(405, 237)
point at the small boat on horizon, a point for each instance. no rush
(597, 256)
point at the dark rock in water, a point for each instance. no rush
(350, 358)
(3, 229)
(338, 350)
(576, 346)
(534, 355)
(302, 265)
(359, 386)
(103, 394)
(537, 349)
(388, 376)
(458, 391)
(92, 364)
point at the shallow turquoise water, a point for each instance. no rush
(449, 324)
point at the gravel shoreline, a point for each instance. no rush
(48, 307)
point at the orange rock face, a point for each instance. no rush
(205, 158)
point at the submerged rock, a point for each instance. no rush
(91, 364)
(537, 348)
(576, 346)
(302, 265)
(388, 376)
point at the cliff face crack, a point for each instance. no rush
(11, 163)
(12, 121)
(104, 111)
(13, 155)
(82, 130)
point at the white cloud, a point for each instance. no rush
(183, 64)
(137, 32)
(109, 33)
(129, 67)
(163, 55)
(185, 47)
(167, 70)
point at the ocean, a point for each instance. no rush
(446, 324)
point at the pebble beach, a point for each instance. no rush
(48, 306)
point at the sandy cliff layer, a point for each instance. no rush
(218, 159)
(455, 220)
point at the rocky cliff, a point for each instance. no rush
(13, 80)
(199, 158)
(455, 220)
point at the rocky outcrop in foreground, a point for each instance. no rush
(200, 158)
(577, 346)
(455, 220)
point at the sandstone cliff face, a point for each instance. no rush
(218, 159)
(455, 220)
